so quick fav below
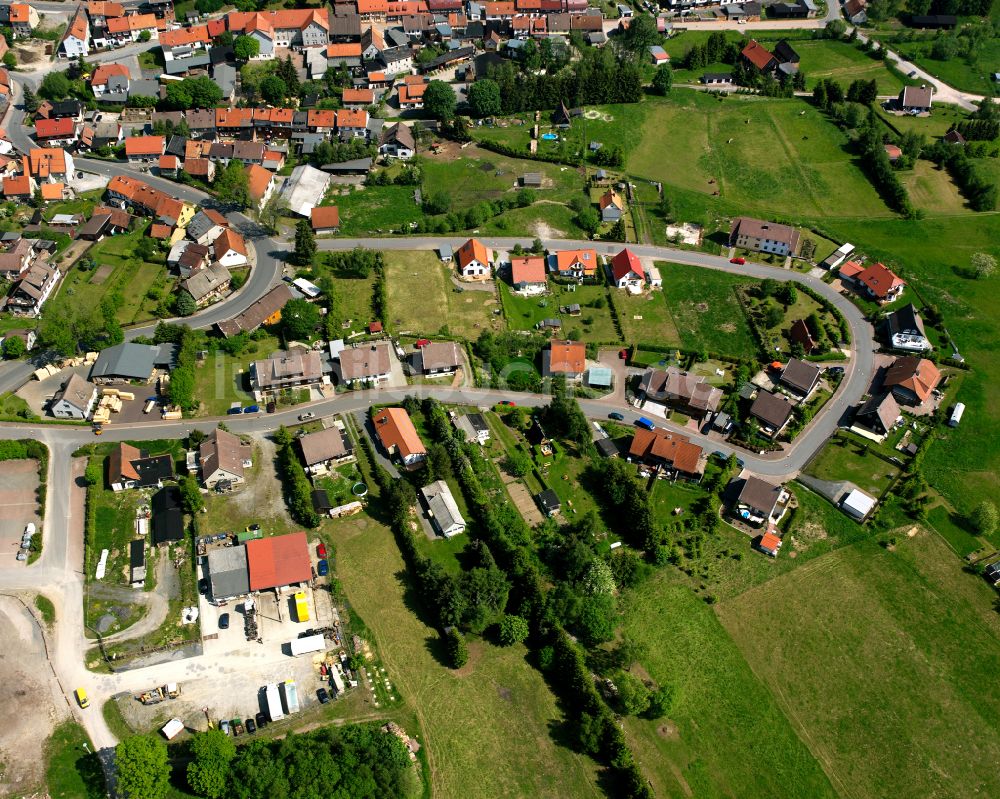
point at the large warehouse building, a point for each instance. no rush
(258, 565)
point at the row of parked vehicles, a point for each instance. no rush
(26, 536)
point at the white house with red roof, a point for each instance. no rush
(627, 271)
(474, 260)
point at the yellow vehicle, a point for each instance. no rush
(301, 607)
(81, 697)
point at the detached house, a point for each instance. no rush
(757, 502)
(912, 380)
(325, 219)
(758, 56)
(686, 392)
(669, 452)
(578, 264)
(773, 411)
(324, 450)
(438, 358)
(75, 399)
(876, 281)
(878, 415)
(33, 289)
(398, 436)
(906, 330)
(129, 467)
(474, 260)
(566, 359)
(76, 40)
(627, 271)
(223, 460)
(800, 377)
(527, 274)
(760, 236)
(55, 132)
(916, 99)
(398, 142)
(144, 149)
(207, 285)
(611, 205)
(290, 371)
(229, 249)
(260, 184)
(21, 17)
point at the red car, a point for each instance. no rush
(739, 261)
(422, 342)
(623, 354)
(321, 550)
(508, 403)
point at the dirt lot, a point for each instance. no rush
(32, 702)
(18, 502)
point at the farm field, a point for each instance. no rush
(727, 736)
(705, 311)
(423, 300)
(770, 156)
(486, 729)
(904, 656)
(840, 460)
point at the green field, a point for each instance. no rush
(486, 729)
(704, 310)
(932, 190)
(375, 210)
(129, 276)
(768, 156)
(424, 301)
(645, 317)
(843, 62)
(593, 324)
(957, 71)
(839, 460)
(222, 379)
(72, 772)
(894, 689)
(954, 530)
(727, 735)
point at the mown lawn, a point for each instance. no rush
(932, 190)
(486, 729)
(222, 379)
(894, 688)
(957, 71)
(840, 460)
(72, 771)
(727, 736)
(424, 301)
(705, 311)
(374, 210)
(593, 324)
(645, 317)
(774, 157)
(844, 63)
(954, 530)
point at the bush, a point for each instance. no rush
(513, 630)
(458, 650)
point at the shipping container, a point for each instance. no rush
(274, 702)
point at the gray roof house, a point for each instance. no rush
(800, 377)
(773, 410)
(127, 362)
(442, 509)
(75, 400)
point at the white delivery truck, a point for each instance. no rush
(274, 702)
(311, 643)
(291, 697)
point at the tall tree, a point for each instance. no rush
(208, 773)
(640, 35)
(439, 100)
(273, 89)
(233, 185)
(305, 242)
(143, 770)
(663, 80)
(299, 319)
(55, 86)
(484, 98)
(246, 47)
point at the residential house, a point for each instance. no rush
(305, 27)
(688, 393)
(800, 334)
(915, 99)
(578, 264)
(126, 363)
(548, 501)
(358, 98)
(33, 289)
(627, 271)
(260, 184)
(912, 379)
(206, 226)
(773, 411)
(208, 285)
(757, 501)
(906, 330)
(527, 274)
(474, 260)
(566, 359)
(299, 370)
(367, 364)
(759, 236)
(223, 460)
(398, 436)
(786, 54)
(876, 281)
(438, 358)
(20, 188)
(800, 377)
(758, 56)
(16, 259)
(122, 30)
(397, 142)
(200, 168)
(352, 124)
(442, 509)
(229, 249)
(75, 399)
(667, 452)
(344, 55)
(104, 222)
(325, 219)
(879, 414)
(104, 73)
(266, 311)
(129, 467)
(168, 515)
(474, 427)
(324, 450)
(27, 335)
(611, 205)
(55, 132)
(20, 17)
(304, 189)
(855, 11)
(76, 40)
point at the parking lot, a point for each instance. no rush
(18, 501)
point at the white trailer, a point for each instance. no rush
(311, 643)
(956, 415)
(291, 697)
(338, 681)
(172, 729)
(274, 702)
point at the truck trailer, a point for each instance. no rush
(274, 702)
(301, 606)
(311, 643)
(291, 696)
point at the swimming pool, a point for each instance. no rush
(550, 136)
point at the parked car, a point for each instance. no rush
(224, 621)
(29, 529)
(616, 416)
(261, 720)
(323, 568)
(253, 528)
(234, 411)
(508, 404)
(81, 698)
(224, 726)
(321, 550)
(623, 354)
(252, 409)
(203, 586)
(304, 416)
(642, 421)
(738, 260)
(22, 554)
(422, 342)
(251, 727)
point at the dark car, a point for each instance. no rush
(261, 721)
(224, 621)
(233, 411)
(251, 727)
(616, 416)
(323, 696)
(323, 568)
(203, 586)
